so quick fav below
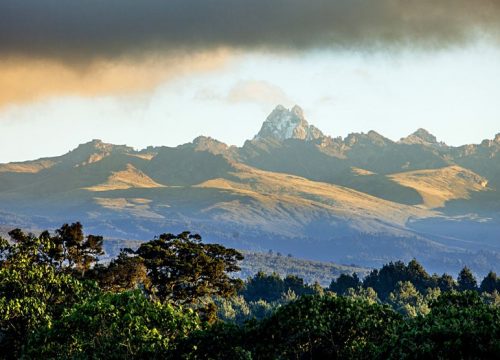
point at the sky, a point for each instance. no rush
(163, 72)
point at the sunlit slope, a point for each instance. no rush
(281, 191)
(438, 186)
(254, 201)
(29, 167)
(361, 172)
(128, 178)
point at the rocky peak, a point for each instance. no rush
(206, 143)
(96, 145)
(495, 143)
(370, 138)
(284, 124)
(421, 137)
(93, 151)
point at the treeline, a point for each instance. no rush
(174, 298)
(406, 288)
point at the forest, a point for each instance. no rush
(176, 297)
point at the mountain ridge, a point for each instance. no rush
(281, 124)
(363, 199)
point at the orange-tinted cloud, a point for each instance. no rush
(25, 80)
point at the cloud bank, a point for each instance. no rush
(80, 30)
(93, 47)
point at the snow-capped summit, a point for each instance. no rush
(284, 124)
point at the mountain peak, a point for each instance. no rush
(93, 151)
(372, 138)
(425, 135)
(99, 146)
(422, 137)
(284, 124)
(95, 144)
(206, 143)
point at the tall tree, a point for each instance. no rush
(407, 300)
(446, 283)
(490, 283)
(75, 250)
(466, 280)
(263, 286)
(344, 282)
(385, 280)
(183, 269)
(418, 276)
(68, 249)
(125, 272)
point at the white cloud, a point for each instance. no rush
(260, 92)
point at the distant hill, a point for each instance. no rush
(361, 199)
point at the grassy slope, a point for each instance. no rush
(438, 186)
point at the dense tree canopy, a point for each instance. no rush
(32, 291)
(43, 277)
(312, 327)
(327, 327)
(117, 326)
(459, 326)
(162, 300)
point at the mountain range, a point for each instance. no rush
(363, 199)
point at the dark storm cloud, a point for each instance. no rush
(88, 29)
